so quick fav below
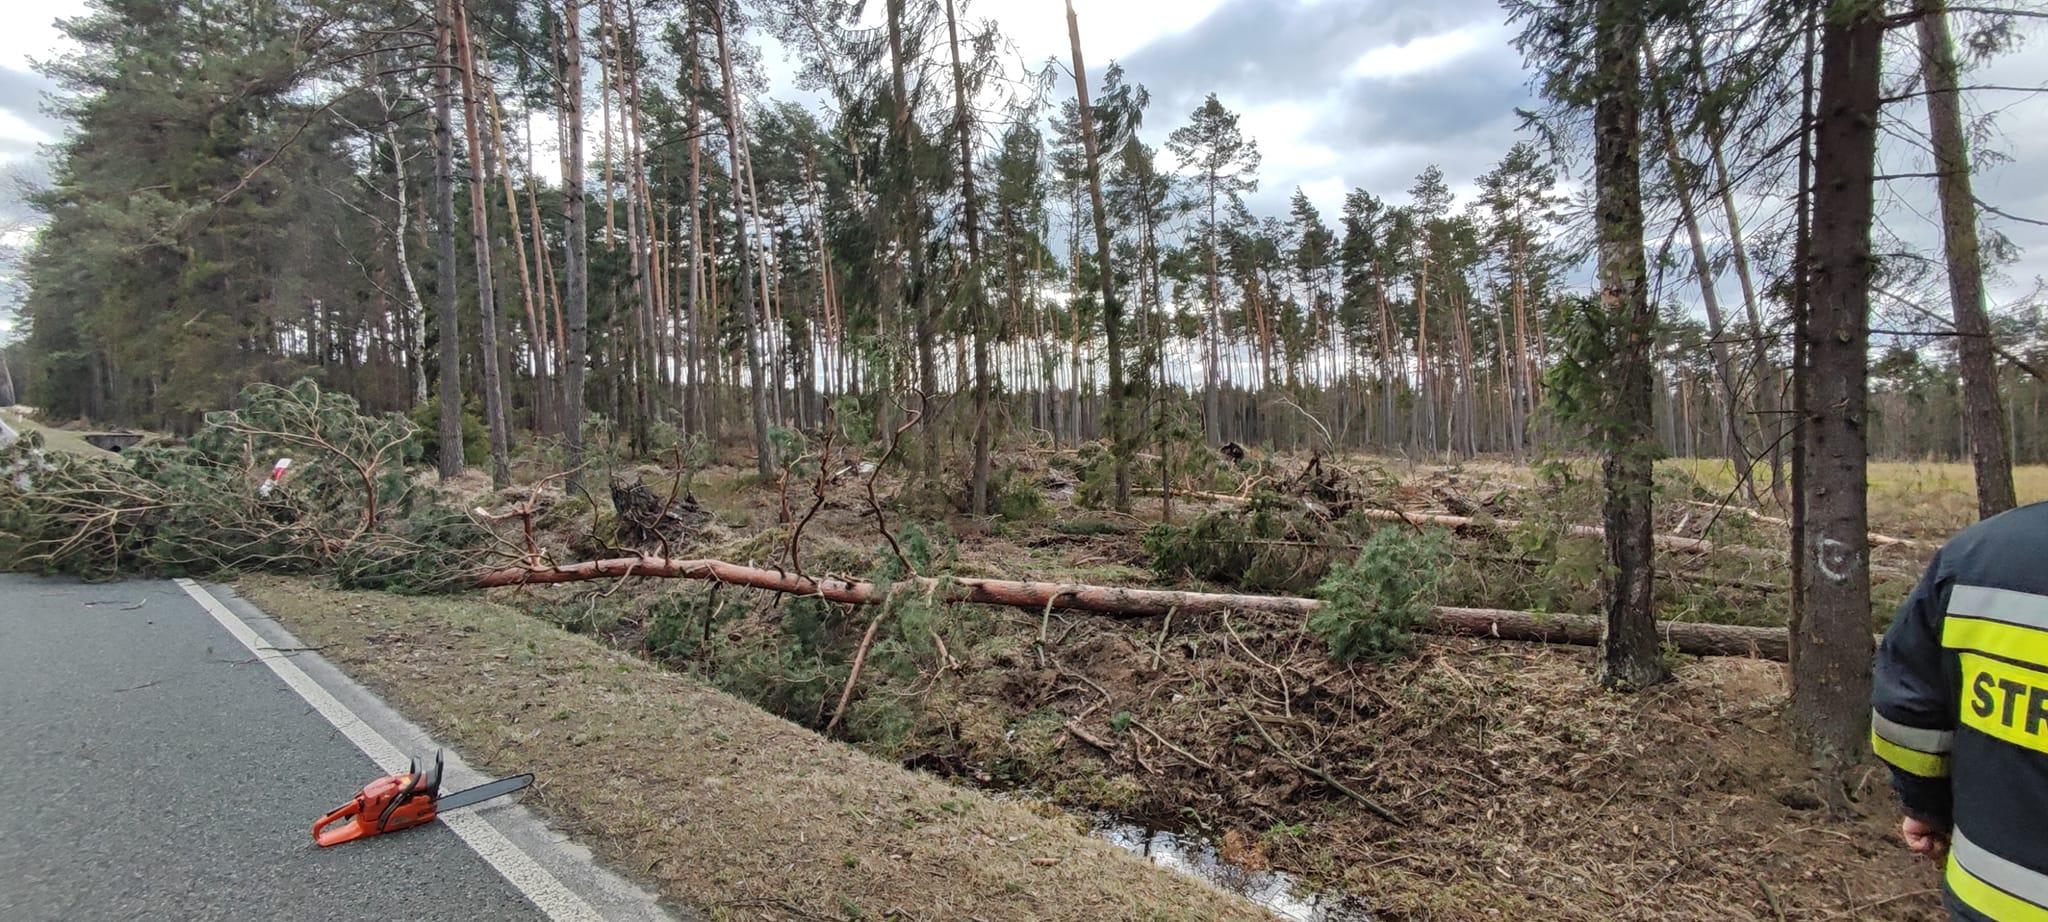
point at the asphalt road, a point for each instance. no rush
(153, 769)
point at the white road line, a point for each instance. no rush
(519, 868)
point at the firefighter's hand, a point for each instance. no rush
(1924, 838)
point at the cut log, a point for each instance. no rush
(1120, 602)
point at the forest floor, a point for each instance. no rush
(1518, 788)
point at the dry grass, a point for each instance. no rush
(1539, 796)
(1910, 499)
(722, 807)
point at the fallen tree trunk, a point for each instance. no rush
(1876, 539)
(1676, 544)
(1120, 602)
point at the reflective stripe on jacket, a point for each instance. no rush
(1960, 712)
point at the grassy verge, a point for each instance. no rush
(720, 806)
(1915, 499)
(53, 438)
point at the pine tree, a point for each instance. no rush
(1831, 665)
(1224, 163)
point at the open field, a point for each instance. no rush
(1911, 499)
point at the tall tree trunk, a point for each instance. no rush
(448, 308)
(401, 228)
(576, 240)
(1703, 269)
(910, 233)
(764, 462)
(625, 85)
(1425, 416)
(1831, 675)
(1983, 417)
(536, 325)
(1802, 298)
(977, 300)
(1631, 657)
(480, 246)
(1212, 402)
(696, 391)
(1112, 311)
(1770, 421)
(544, 279)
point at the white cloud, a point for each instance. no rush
(15, 128)
(1281, 129)
(1110, 29)
(1418, 55)
(1327, 194)
(31, 36)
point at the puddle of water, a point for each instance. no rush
(1280, 893)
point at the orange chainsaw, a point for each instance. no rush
(402, 801)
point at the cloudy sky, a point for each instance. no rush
(1338, 93)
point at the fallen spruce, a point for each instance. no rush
(1120, 602)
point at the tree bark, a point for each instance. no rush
(1831, 675)
(1631, 658)
(1983, 417)
(448, 307)
(1692, 638)
(1112, 311)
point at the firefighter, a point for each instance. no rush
(1960, 713)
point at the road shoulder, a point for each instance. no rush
(551, 867)
(719, 805)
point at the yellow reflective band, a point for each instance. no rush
(1912, 761)
(2005, 702)
(1997, 638)
(1989, 900)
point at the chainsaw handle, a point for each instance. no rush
(348, 833)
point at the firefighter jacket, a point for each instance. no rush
(1960, 713)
